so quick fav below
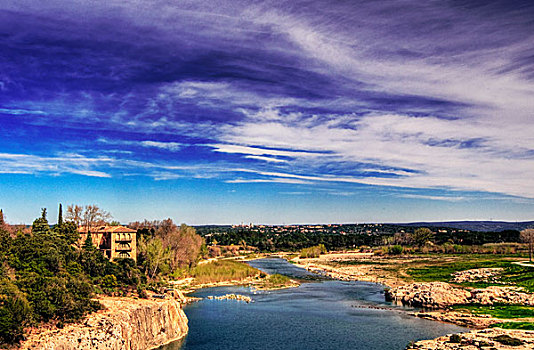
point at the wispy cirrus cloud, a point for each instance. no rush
(61, 164)
(21, 111)
(434, 198)
(376, 95)
(169, 146)
(439, 153)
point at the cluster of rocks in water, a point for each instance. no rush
(237, 297)
(491, 338)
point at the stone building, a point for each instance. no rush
(114, 241)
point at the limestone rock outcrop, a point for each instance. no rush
(428, 295)
(125, 324)
(477, 275)
(459, 318)
(438, 295)
(501, 295)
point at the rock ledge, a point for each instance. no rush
(125, 324)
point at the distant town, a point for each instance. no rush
(335, 229)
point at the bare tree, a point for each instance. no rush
(527, 236)
(74, 214)
(402, 238)
(184, 243)
(88, 216)
(94, 216)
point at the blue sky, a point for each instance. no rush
(268, 112)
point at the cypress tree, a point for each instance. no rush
(1, 218)
(88, 244)
(60, 215)
(40, 226)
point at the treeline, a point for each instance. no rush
(296, 241)
(48, 276)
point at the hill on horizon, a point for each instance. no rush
(481, 226)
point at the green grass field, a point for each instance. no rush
(515, 325)
(443, 272)
(223, 270)
(498, 311)
(513, 275)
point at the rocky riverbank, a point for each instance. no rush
(330, 265)
(439, 295)
(492, 338)
(124, 324)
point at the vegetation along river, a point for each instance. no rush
(320, 314)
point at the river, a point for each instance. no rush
(320, 314)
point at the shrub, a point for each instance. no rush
(62, 297)
(15, 312)
(142, 292)
(109, 283)
(278, 279)
(313, 252)
(455, 338)
(395, 250)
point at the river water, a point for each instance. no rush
(320, 314)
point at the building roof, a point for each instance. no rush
(106, 229)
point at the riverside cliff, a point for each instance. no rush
(124, 324)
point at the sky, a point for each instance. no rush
(274, 112)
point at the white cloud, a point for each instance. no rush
(436, 198)
(295, 193)
(59, 164)
(437, 151)
(171, 146)
(282, 179)
(267, 159)
(92, 173)
(257, 151)
(18, 111)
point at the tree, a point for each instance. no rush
(421, 236)
(94, 216)
(527, 236)
(60, 215)
(40, 225)
(74, 214)
(88, 244)
(88, 216)
(401, 238)
(3, 223)
(184, 243)
(157, 257)
(68, 231)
